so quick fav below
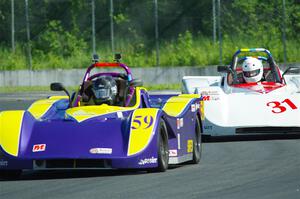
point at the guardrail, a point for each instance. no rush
(149, 75)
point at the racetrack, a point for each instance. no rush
(239, 169)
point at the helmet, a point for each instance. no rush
(252, 70)
(104, 90)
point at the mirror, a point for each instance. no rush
(292, 70)
(136, 82)
(57, 86)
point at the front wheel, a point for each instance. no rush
(197, 147)
(163, 148)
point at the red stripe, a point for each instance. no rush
(264, 87)
(106, 64)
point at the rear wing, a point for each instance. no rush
(193, 84)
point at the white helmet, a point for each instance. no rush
(252, 70)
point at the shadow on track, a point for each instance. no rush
(238, 138)
(73, 174)
(66, 174)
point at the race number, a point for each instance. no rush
(142, 122)
(280, 107)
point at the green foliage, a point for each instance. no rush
(153, 87)
(186, 50)
(12, 61)
(121, 18)
(57, 41)
(61, 32)
(38, 89)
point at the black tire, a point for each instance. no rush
(163, 148)
(10, 174)
(197, 148)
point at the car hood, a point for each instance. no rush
(100, 136)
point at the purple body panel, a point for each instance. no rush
(67, 139)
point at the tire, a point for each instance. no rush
(197, 148)
(163, 148)
(10, 174)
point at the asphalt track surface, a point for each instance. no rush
(253, 167)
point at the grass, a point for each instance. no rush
(28, 89)
(186, 50)
(36, 89)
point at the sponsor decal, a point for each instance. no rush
(178, 123)
(210, 98)
(120, 114)
(172, 152)
(81, 113)
(38, 147)
(181, 122)
(193, 107)
(101, 150)
(209, 93)
(190, 146)
(3, 163)
(205, 97)
(151, 160)
(202, 115)
(178, 141)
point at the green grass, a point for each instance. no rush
(31, 89)
(163, 87)
(36, 89)
(186, 50)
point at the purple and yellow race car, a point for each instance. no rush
(110, 122)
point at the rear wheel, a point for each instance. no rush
(163, 148)
(197, 147)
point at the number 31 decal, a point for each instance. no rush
(280, 107)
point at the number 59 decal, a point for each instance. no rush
(140, 121)
(280, 107)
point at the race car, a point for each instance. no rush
(110, 122)
(233, 106)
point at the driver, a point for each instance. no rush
(252, 70)
(102, 90)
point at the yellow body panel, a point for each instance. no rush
(58, 97)
(40, 107)
(175, 105)
(10, 130)
(86, 112)
(189, 95)
(141, 129)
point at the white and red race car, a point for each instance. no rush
(232, 107)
